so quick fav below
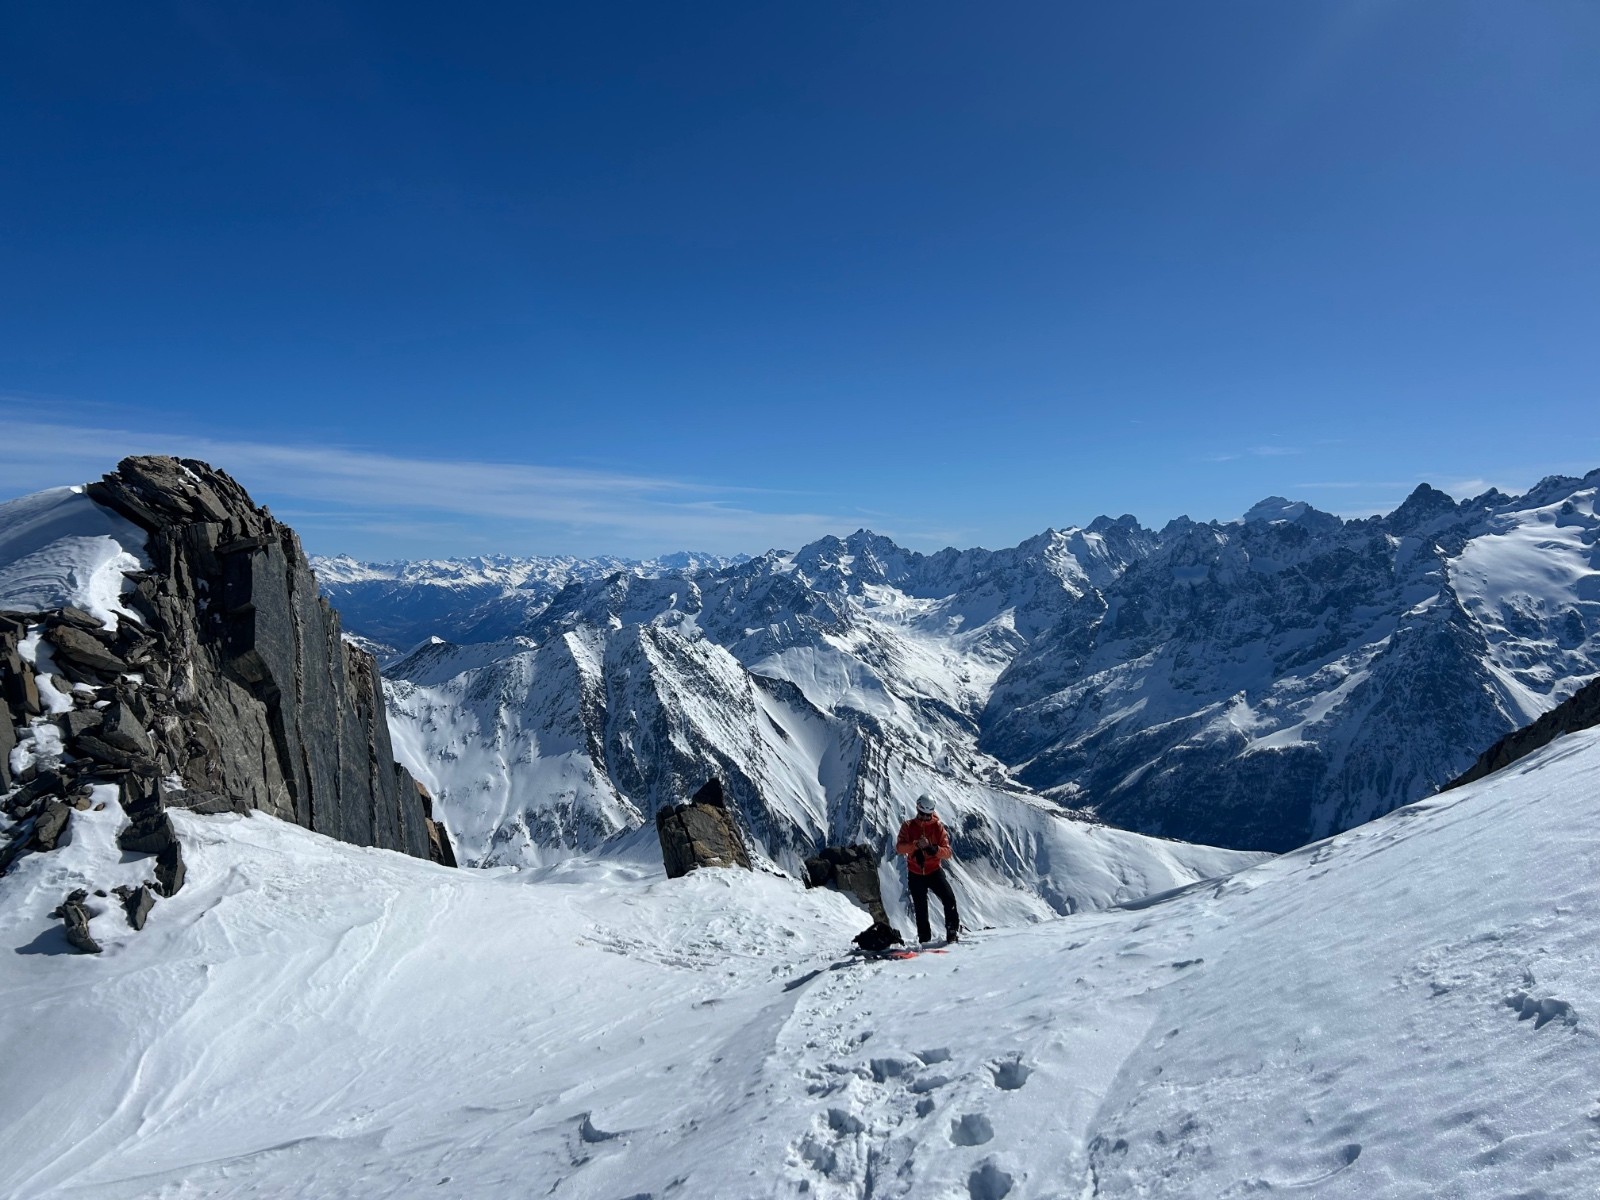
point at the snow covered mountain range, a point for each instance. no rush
(469, 599)
(1255, 684)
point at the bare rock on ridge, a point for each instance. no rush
(8, 743)
(700, 833)
(1581, 710)
(136, 904)
(249, 692)
(74, 914)
(76, 647)
(50, 826)
(852, 870)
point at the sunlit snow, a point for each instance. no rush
(1402, 1011)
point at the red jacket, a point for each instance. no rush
(923, 860)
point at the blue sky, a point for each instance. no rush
(631, 278)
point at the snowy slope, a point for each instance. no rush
(1402, 1011)
(1258, 683)
(58, 547)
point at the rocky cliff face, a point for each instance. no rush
(217, 681)
(1581, 710)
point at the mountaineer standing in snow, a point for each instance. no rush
(926, 845)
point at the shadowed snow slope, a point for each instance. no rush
(1401, 1011)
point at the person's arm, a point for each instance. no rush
(943, 841)
(903, 844)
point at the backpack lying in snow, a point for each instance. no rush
(879, 938)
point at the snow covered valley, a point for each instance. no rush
(1402, 1011)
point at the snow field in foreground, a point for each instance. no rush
(1406, 1010)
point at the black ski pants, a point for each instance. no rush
(936, 883)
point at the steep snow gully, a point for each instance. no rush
(1401, 1011)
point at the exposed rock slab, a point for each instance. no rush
(248, 692)
(700, 833)
(852, 870)
(119, 728)
(50, 826)
(74, 915)
(8, 743)
(77, 647)
(136, 904)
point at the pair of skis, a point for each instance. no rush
(910, 951)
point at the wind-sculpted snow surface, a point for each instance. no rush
(1401, 1011)
(1253, 684)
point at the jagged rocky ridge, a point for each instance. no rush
(1258, 683)
(1579, 711)
(216, 680)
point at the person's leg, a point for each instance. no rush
(919, 903)
(940, 885)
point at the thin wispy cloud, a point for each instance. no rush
(1254, 452)
(358, 491)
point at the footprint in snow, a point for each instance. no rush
(844, 1123)
(1542, 1012)
(592, 1135)
(989, 1182)
(971, 1129)
(1010, 1074)
(885, 1069)
(1341, 1159)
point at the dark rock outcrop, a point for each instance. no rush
(103, 752)
(79, 722)
(18, 687)
(136, 903)
(1581, 710)
(231, 680)
(50, 826)
(170, 870)
(76, 647)
(700, 833)
(119, 728)
(440, 848)
(149, 829)
(852, 870)
(249, 691)
(206, 804)
(8, 742)
(74, 914)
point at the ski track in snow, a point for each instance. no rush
(1402, 1011)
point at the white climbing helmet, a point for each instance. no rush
(924, 803)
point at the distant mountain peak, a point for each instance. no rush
(1277, 508)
